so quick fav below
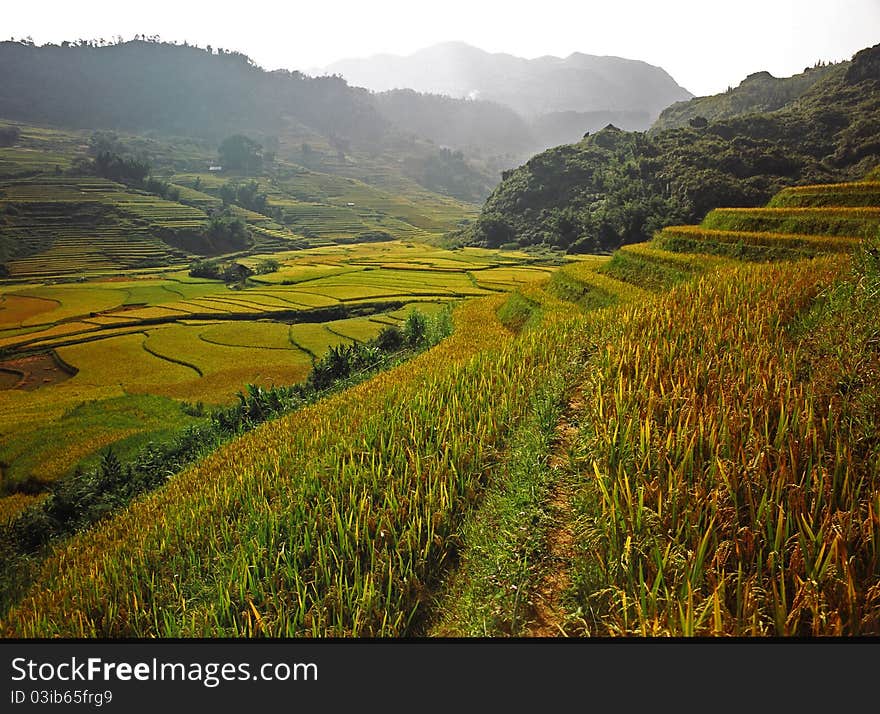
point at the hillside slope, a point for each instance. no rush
(699, 519)
(616, 187)
(759, 93)
(184, 91)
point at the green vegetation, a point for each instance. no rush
(759, 93)
(60, 215)
(233, 402)
(199, 335)
(615, 187)
(99, 486)
(250, 118)
(503, 538)
(697, 462)
(240, 153)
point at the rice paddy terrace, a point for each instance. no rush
(105, 339)
(56, 220)
(692, 452)
(126, 340)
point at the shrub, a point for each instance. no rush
(267, 265)
(415, 328)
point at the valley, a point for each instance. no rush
(278, 371)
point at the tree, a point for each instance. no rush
(125, 169)
(415, 328)
(241, 153)
(267, 265)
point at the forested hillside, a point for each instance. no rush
(616, 187)
(758, 93)
(179, 90)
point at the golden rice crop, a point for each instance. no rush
(721, 492)
(860, 193)
(585, 273)
(690, 262)
(121, 361)
(334, 520)
(16, 309)
(841, 221)
(698, 235)
(12, 505)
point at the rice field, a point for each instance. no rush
(857, 193)
(697, 516)
(849, 221)
(716, 453)
(673, 535)
(335, 499)
(751, 244)
(194, 340)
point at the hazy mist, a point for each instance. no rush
(704, 46)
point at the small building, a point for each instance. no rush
(215, 168)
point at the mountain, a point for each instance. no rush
(477, 127)
(180, 90)
(491, 131)
(617, 187)
(759, 92)
(577, 83)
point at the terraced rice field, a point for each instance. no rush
(685, 512)
(857, 193)
(374, 510)
(182, 339)
(849, 221)
(60, 225)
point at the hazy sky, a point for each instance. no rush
(704, 45)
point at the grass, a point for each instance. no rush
(503, 540)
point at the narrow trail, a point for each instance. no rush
(548, 617)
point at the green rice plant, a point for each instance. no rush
(861, 193)
(746, 245)
(648, 267)
(860, 222)
(354, 527)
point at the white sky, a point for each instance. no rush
(705, 45)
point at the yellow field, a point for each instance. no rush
(134, 334)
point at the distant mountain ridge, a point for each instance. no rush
(454, 146)
(532, 87)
